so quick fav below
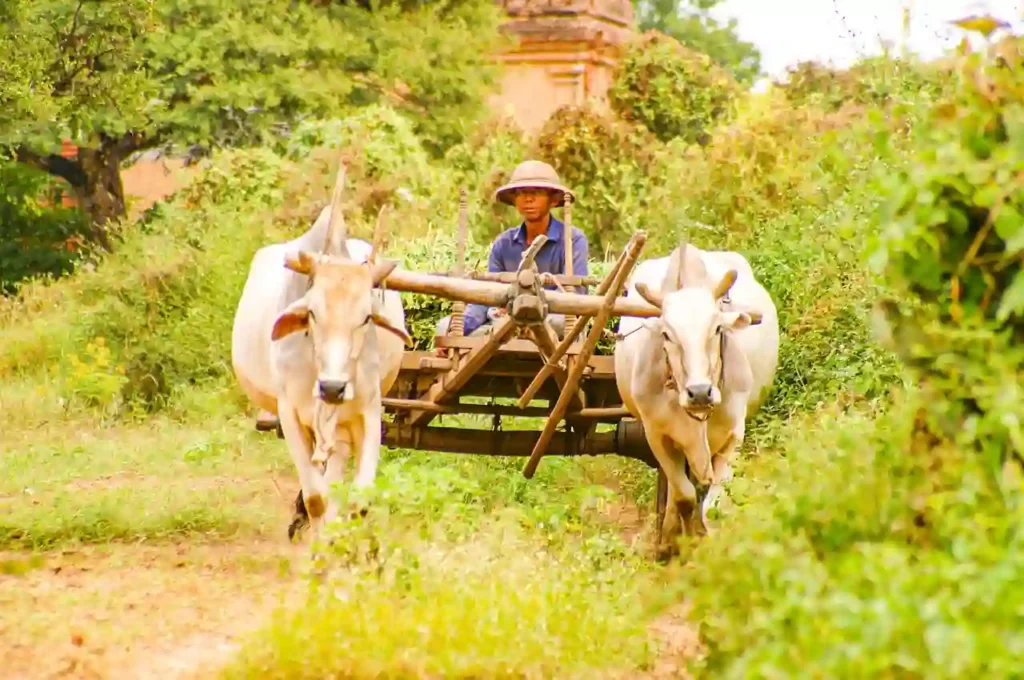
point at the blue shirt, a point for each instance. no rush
(507, 253)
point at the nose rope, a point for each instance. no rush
(325, 416)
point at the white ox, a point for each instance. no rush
(305, 346)
(693, 375)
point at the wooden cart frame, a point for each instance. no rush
(521, 358)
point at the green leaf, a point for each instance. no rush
(1012, 303)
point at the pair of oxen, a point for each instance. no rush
(318, 342)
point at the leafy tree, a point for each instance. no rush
(671, 90)
(118, 76)
(690, 22)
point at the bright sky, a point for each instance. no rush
(840, 31)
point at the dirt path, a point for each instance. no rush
(138, 611)
(181, 610)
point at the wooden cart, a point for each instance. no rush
(523, 360)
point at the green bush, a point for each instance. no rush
(671, 90)
(850, 556)
(951, 250)
(876, 81)
(34, 240)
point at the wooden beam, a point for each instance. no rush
(510, 277)
(517, 443)
(633, 252)
(449, 384)
(612, 413)
(496, 295)
(545, 340)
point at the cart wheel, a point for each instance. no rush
(660, 503)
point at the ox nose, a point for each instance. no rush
(699, 395)
(332, 391)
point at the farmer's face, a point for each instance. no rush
(533, 204)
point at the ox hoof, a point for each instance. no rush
(299, 523)
(300, 518)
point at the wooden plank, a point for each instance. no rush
(448, 384)
(513, 346)
(484, 409)
(564, 399)
(602, 366)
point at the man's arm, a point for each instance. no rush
(579, 257)
(476, 314)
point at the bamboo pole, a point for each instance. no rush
(459, 308)
(582, 360)
(637, 243)
(570, 319)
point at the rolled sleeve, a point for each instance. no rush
(579, 256)
(476, 314)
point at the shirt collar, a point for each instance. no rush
(555, 231)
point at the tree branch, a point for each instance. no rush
(53, 164)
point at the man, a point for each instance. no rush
(534, 190)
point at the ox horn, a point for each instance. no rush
(378, 235)
(725, 284)
(655, 298)
(337, 232)
(674, 275)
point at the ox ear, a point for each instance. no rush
(381, 269)
(300, 262)
(294, 318)
(654, 298)
(737, 320)
(381, 321)
(725, 284)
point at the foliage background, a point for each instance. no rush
(873, 526)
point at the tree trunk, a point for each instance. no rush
(101, 192)
(95, 176)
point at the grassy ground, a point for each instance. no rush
(157, 548)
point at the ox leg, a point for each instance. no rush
(300, 445)
(735, 411)
(368, 446)
(682, 496)
(335, 469)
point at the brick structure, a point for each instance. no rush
(565, 54)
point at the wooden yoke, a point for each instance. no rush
(632, 253)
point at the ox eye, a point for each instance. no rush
(665, 336)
